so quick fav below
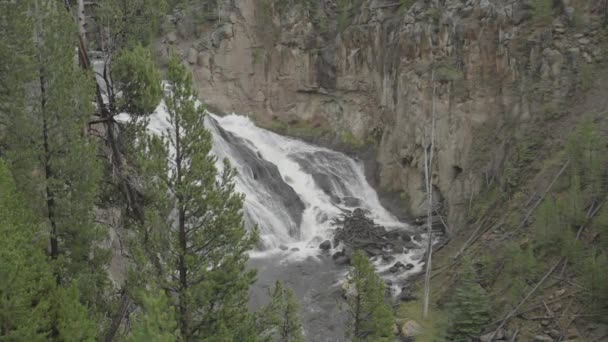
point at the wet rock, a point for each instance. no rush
(283, 247)
(388, 258)
(295, 249)
(409, 267)
(325, 245)
(373, 251)
(342, 260)
(351, 201)
(396, 267)
(406, 295)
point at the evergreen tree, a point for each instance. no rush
(279, 320)
(156, 321)
(26, 275)
(371, 318)
(194, 222)
(33, 308)
(53, 160)
(468, 308)
(131, 22)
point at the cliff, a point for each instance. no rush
(371, 73)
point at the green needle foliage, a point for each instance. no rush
(371, 318)
(157, 319)
(195, 222)
(33, 308)
(131, 22)
(279, 320)
(468, 309)
(53, 161)
(27, 277)
(137, 80)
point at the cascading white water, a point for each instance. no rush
(293, 190)
(327, 182)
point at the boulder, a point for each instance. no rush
(373, 251)
(396, 267)
(342, 260)
(295, 249)
(283, 247)
(406, 295)
(388, 258)
(411, 328)
(351, 201)
(325, 245)
(192, 56)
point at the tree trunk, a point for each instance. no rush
(82, 21)
(428, 166)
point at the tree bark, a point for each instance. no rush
(428, 166)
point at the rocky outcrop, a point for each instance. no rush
(489, 70)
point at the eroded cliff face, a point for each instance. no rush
(491, 71)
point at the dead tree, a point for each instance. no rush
(428, 165)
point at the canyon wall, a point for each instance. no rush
(370, 74)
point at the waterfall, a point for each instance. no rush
(292, 189)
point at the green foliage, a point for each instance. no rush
(434, 327)
(448, 73)
(54, 163)
(370, 317)
(301, 129)
(23, 299)
(587, 75)
(195, 238)
(31, 302)
(348, 138)
(468, 308)
(549, 226)
(157, 319)
(519, 159)
(137, 81)
(404, 5)
(595, 282)
(279, 320)
(521, 268)
(72, 317)
(543, 9)
(588, 156)
(132, 22)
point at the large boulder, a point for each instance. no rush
(411, 328)
(325, 245)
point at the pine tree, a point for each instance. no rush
(23, 299)
(468, 308)
(371, 318)
(279, 320)
(194, 222)
(131, 22)
(53, 160)
(156, 321)
(33, 307)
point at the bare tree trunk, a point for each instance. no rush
(428, 166)
(82, 21)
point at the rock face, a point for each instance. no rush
(485, 68)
